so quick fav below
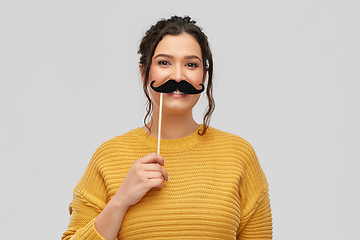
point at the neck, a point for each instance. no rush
(172, 126)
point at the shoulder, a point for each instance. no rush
(125, 139)
(227, 139)
(117, 144)
(240, 149)
(232, 145)
(114, 155)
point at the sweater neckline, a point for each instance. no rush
(169, 145)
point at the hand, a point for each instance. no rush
(145, 173)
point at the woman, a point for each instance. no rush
(211, 187)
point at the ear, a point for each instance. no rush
(205, 75)
(141, 68)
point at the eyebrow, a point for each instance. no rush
(169, 56)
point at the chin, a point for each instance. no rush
(177, 109)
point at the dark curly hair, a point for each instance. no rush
(174, 26)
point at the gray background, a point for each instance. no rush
(286, 79)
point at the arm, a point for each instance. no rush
(144, 174)
(256, 219)
(92, 218)
(109, 221)
(259, 223)
(83, 210)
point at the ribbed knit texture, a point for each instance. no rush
(217, 189)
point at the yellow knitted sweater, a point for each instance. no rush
(217, 189)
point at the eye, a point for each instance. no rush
(163, 62)
(192, 65)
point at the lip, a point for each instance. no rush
(176, 95)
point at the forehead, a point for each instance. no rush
(178, 45)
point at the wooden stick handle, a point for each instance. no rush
(159, 127)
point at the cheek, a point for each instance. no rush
(195, 98)
(195, 78)
(159, 76)
(155, 96)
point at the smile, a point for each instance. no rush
(177, 92)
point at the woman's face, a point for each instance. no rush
(176, 57)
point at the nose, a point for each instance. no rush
(178, 73)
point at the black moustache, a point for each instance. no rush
(172, 85)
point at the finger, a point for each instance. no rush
(154, 175)
(155, 182)
(152, 167)
(152, 158)
(156, 168)
(165, 174)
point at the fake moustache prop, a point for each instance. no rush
(169, 87)
(172, 85)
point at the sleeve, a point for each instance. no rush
(256, 218)
(89, 199)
